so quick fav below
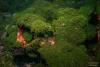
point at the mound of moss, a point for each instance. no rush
(64, 55)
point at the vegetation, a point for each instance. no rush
(67, 21)
(65, 55)
(6, 60)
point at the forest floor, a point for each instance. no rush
(91, 63)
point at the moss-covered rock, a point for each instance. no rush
(64, 55)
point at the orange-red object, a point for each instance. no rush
(20, 38)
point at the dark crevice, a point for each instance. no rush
(94, 40)
(20, 57)
(93, 20)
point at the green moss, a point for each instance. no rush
(70, 25)
(90, 31)
(98, 7)
(6, 60)
(64, 55)
(28, 36)
(10, 40)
